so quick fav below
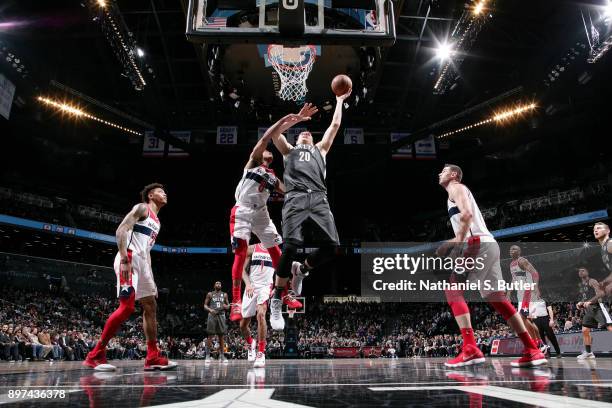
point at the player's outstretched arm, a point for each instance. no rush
(286, 122)
(138, 213)
(330, 134)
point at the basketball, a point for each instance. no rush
(341, 84)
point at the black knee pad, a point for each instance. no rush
(284, 265)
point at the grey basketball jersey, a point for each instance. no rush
(217, 301)
(305, 169)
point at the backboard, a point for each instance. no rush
(292, 22)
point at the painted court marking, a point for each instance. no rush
(510, 394)
(237, 398)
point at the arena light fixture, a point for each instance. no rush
(463, 37)
(479, 7)
(609, 9)
(79, 113)
(120, 39)
(444, 51)
(502, 116)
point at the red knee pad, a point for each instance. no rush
(240, 255)
(501, 304)
(456, 301)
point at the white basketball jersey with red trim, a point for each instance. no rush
(142, 237)
(526, 278)
(477, 226)
(262, 271)
(256, 185)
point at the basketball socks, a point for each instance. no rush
(275, 254)
(123, 312)
(587, 347)
(239, 258)
(152, 349)
(261, 346)
(249, 340)
(468, 337)
(527, 340)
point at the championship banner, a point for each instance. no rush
(425, 149)
(404, 152)
(7, 92)
(353, 136)
(153, 146)
(185, 136)
(227, 135)
(292, 134)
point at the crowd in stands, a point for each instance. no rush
(45, 325)
(498, 214)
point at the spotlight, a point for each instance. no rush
(479, 7)
(140, 52)
(444, 51)
(102, 3)
(609, 9)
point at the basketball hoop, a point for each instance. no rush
(291, 313)
(293, 66)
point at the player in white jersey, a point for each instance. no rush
(258, 276)
(473, 240)
(524, 278)
(250, 215)
(135, 237)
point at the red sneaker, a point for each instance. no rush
(156, 362)
(96, 359)
(291, 301)
(469, 355)
(236, 311)
(530, 358)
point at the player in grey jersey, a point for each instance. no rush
(305, 199)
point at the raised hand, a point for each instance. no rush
(341, 98)
(307, 111)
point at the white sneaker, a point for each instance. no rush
(276, 314)
(585, 356)
(544, 348)
(298, 277)
(223, 359)
(260, 361)
(208, 360)
(252, 352)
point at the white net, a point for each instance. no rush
(293, 65)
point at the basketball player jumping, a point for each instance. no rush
(470, 229)
(305, 199)
(135, 237)
(250, 214)
(258, 276)
(523, 272)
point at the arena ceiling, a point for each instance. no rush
(515, 49)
